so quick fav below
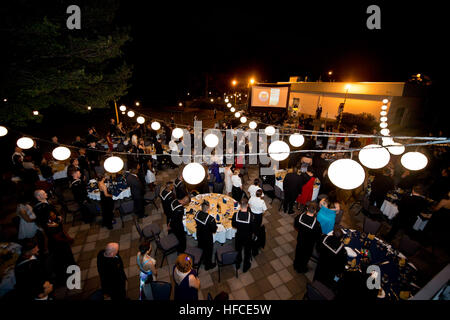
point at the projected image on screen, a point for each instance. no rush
(274, 97)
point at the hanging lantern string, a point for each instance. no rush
(429, 143)
(309, 133)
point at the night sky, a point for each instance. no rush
(174, 46)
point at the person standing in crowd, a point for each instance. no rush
(29, 270)
(167, 197)
(309, 232)
(236, 190)
(309, 179)
(137, 191)
(106, 203)
(27, 227)
(79, 191)
(176, 222)
(258, 207)
(292, 186)
(78, 143)
(42, 208)
(180, 187)
(318, 112)
(111, 271)
(186, 281)
(59, 247)
(381, 185)
(206, 227)
(112, 127)
(254, 187)
(150, 174)
(228, 184)
(244, 223)
(409, 208)
(332, 258)
(147, 267)
(328, 213)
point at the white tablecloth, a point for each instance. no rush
(221, 235)
(389, 209)
(57, 175)
(124, 194)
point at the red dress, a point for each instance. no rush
(307, 191)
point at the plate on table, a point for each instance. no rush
(350, 252)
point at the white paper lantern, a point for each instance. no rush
(385, 101)
(270, 130)
(396, 148)
(374, 156)
(243, 119)
(226, 100)
(61, 153)
(383, 113)
(211, 140)
(383, 125)
(36, 113)
(194, 173)
(383, 119)
(3, 131)
(156, 125)
(387, 141)
(177, 133)
(113, 164)
(385, 132)
(130, 114)
(233, 109)
(140, 120)
(346, 174)
(279, 150)
(252, 125)
(25, 143)
(384, 107)
(414, 160)
(237, 114)
(228, 105)
(296, 139)
(123, 108)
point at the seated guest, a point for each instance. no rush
(78, 143)
(258, 207)
(59, 247)
(29, 270)
(111, 271)
(27, 226)
(381, 185)
(254, 187)
(332, 258)
(46, 170)
(309, 232)
(74, 165)
(186, 281)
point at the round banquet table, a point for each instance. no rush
(119, 190)
(394, 277)
(228, 206)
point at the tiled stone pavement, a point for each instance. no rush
(271, 276)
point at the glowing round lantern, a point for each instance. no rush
(414, 161)
(3, 131)
(374, 156)
(270, 130)
(252, 125)
(25, 143)
(113, 164)
(296, 139)
(130, 114)
(177, 133)
(140, 120)
(156, 125)
(346, 174)
(194, 173)
(61, 153)
(279, 150)
(211, 140)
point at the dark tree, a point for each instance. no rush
(47, 65)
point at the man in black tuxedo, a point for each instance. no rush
(137, 191)
(167, 196)
(42, 208)
(206, 227)
(292, 187)
(79, 191)
(111, 271)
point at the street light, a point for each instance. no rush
(252, 81)
(234, 83)
(137, 103)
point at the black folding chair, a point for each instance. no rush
(161, 290)
(408, 246)
(371, 226)
(196, 254)
(149, 232)
(151, 196)
(226, 255)
(167, 245)
(279, 194)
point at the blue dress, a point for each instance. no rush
(327, 219)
